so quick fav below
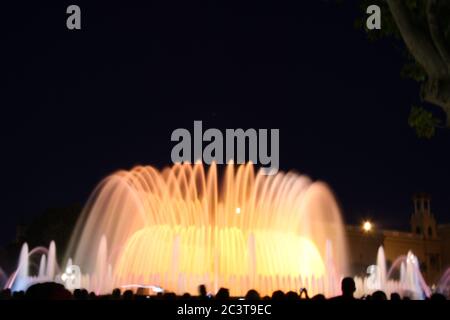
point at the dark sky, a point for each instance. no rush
(78, 105)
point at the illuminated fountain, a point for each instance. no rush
(178, 228)
(443, 285)
(21, 279)
(409, 283)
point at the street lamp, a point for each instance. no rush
(367, 226)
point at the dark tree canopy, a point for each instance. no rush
(424, 27)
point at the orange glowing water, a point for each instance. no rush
(178, 228)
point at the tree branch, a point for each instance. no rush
(417, 41)
(437, 91)
(435, 32)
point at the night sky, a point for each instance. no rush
(79, 105)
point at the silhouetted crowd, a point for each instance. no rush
(56, 291)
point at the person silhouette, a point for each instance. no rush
(116, 294)
(318, 297)
(202, 293)
(128, 295)
(437, 297)
(303, 291)
(379, 296)
(223, 294)
(395, 297)
(252, 295)
(278, 295)
(348, 289)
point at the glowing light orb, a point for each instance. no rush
(367, 226)
(177, 229)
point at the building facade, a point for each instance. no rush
(427, 240)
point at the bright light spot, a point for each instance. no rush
(238, 210)
(367, 226)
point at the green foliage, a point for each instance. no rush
(413, 70)
(423, 122)
(420, 119)
(389, 29)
